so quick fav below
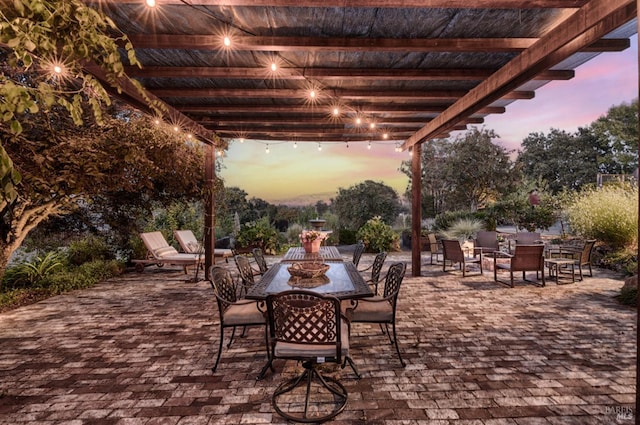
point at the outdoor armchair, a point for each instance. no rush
(453, 253)
(486, 242)
(526, 258)
(434, 246)
(580, 255)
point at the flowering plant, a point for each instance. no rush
(312, 235)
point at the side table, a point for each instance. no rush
(554, 265)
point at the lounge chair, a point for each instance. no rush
(190, 245)
(159, 252)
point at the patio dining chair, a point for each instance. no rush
(258, 256)
(232, 310)
(376, 269)
(357, 253)
(308, 327)
(246, 273)
(380, 309)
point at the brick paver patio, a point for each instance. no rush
(138, 350)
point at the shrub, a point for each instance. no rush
(347, 237)
(293, 233)
(89, 249)
(628, 296)
(31, 272)
(608, 214)
(463, 229)
(259, 233)
(378, 236)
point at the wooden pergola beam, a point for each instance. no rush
(455, 4)
(331, 93)
(591, 22)
(433, 74)
(368, 108)
(328, 44)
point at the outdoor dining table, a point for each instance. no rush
(342, 280)
(326, 253)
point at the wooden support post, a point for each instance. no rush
(209, 209)
(416, 209)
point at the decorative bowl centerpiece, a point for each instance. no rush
(308, 270)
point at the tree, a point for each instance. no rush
(363, 201)
(434, 188)
(618, 131)
(562, 160)
(123, 169)
(476, 170)
(49, 44)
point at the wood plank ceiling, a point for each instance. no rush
(409, 71)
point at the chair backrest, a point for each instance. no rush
(244, 269)
(528, 258)
(157, 245)
(258, 255)
(224, 286)
(528, 238)
(305, 318)
(487, 239)
(357, 253)
(452, 250)
(433, 242)
(587, 250)
(394, 278)
(376, 267)
(188, 241)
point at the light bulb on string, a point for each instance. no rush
(241, 140)
(226, 41)
(274, 67)
(295, 145)
(150, 3)
(319, 147)
(266, 150)
(372, 125)
(369, 146)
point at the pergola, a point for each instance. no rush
(355, 71)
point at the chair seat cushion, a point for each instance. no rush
(372, 309)
(295, 350)
(242, 314)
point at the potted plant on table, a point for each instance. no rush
(311, 240)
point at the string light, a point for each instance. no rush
(242, 140)
(372, 125)
(156, 121)
(385, 136)
(358, 121)
(347, 145)
(151, 3)
(295, 145)
(319, 147)
(274, 67)
(226, 41)
(336, 111)
(175, 128)
(369, 146)
(266, 150)
(312, 94)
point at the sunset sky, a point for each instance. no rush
(304, 175)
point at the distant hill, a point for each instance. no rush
(304, 199)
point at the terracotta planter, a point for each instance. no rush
(313, 246)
